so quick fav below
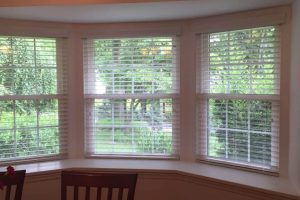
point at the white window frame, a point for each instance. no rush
(89, 103)
(282, 98)
(60, 96)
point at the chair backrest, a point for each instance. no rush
(123, 184)
(17, 180)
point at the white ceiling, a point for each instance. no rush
(133, 12)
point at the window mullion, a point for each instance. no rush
(249, 131)
(226, 125)
(38, 126)
(113, 125)
(15, 128)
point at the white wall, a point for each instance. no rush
(294, 167)
(148, 187)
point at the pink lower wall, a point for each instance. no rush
(157, 186)
(146, 189)
(42, 190)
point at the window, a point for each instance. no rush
(32, 99)
(239, 97)
(131, 97)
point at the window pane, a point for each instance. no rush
(28, 128)
(261, 148)
(7, 114)
(49, 140)
(241, 130)
(142, 126)
(28, 66)
(131, 66)
(7, 142)
(242, 62)
(237, 146)
(217, 143)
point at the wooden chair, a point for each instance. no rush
(9, 181)
(100, 182)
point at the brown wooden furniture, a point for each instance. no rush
(99, 181)
(17, 179)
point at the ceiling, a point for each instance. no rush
(134, 12)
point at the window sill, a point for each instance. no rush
(239, 166)
(133, 157)
(234, 177)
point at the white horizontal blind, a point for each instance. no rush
(131, 96)
(33, 118)
(239, 97)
